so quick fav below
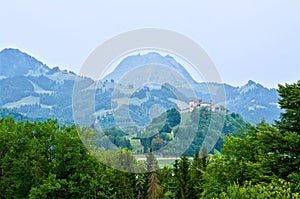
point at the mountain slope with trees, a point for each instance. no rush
(163, 130)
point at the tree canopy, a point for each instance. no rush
(289, 101)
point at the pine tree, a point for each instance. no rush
(152, 166)
(184, 176)
(197, 169)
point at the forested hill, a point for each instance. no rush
(5, 113)
(173, 133)
(172, 130)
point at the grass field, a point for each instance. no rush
(166, 161)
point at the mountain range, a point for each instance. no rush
(30, 88)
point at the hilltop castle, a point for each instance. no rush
(194, 104)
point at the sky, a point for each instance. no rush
(249, 39)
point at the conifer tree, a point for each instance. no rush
(184, 176)
(197, 169)
(152, 166)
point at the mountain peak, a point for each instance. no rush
(14, 52)
(150, 57)
(134, 61)
(10, 50)
(250, 82)
(251, 85)
(14, 62)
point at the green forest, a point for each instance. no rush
(48, 160)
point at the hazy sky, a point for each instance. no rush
(253, 39)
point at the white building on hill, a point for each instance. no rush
(194, 104)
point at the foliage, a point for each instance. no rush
(273, 190)
(173, 118)
(260, 154)
(290, 102)
(194, 125)
(43, 159)
(116, 136)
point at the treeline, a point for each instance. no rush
(46, 160)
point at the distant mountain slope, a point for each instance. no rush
(34, 90)
(14, 63)
(9, 113)
(31, 88)
(254, 102)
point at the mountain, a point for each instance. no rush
(152, 58)
(16, 63)
(254, 102)
(34, 90)
(31, 88)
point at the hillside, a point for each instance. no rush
(9, 113)
(172, 133)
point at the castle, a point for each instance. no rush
(194, 104)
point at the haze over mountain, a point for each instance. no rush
(31, 88)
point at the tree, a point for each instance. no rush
(125, 165)
(26, 155)
(260, 154)
(290, 102)
(152, 167)
(197, 169)
(173, 117)
(168, 182)
(280, 189)
(183, 176)
(45, 160)
(140, 185)
(157, 143)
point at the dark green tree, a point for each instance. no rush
(197, 169)
(260, 154)
(173, 117)
(289, 101)
(153, 184)
(183, 176)
(141, 185)
(168, 182)
(45, 160)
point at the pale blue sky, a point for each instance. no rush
(253, 39)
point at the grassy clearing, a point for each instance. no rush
(166, 161)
